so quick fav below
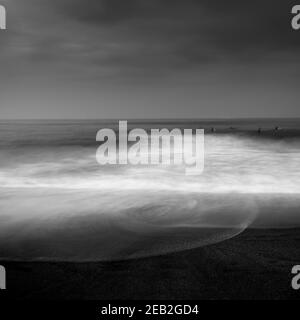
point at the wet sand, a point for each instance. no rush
(254, 265)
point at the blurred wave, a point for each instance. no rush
(58, 203)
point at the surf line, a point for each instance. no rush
(161, 146)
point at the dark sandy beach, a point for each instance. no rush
(254, 265)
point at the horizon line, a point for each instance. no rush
(150, 119)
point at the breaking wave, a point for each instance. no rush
(57, 203)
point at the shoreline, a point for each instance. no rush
(254, 265)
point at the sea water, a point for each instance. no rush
(58, 203)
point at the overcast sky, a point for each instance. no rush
(149, 59)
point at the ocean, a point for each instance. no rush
(58, 204)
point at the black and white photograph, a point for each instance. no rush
(149, 150)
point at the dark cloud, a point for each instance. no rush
(148, 44)
(194, 29)
(161, 34)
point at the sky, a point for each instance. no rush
(127, 59)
